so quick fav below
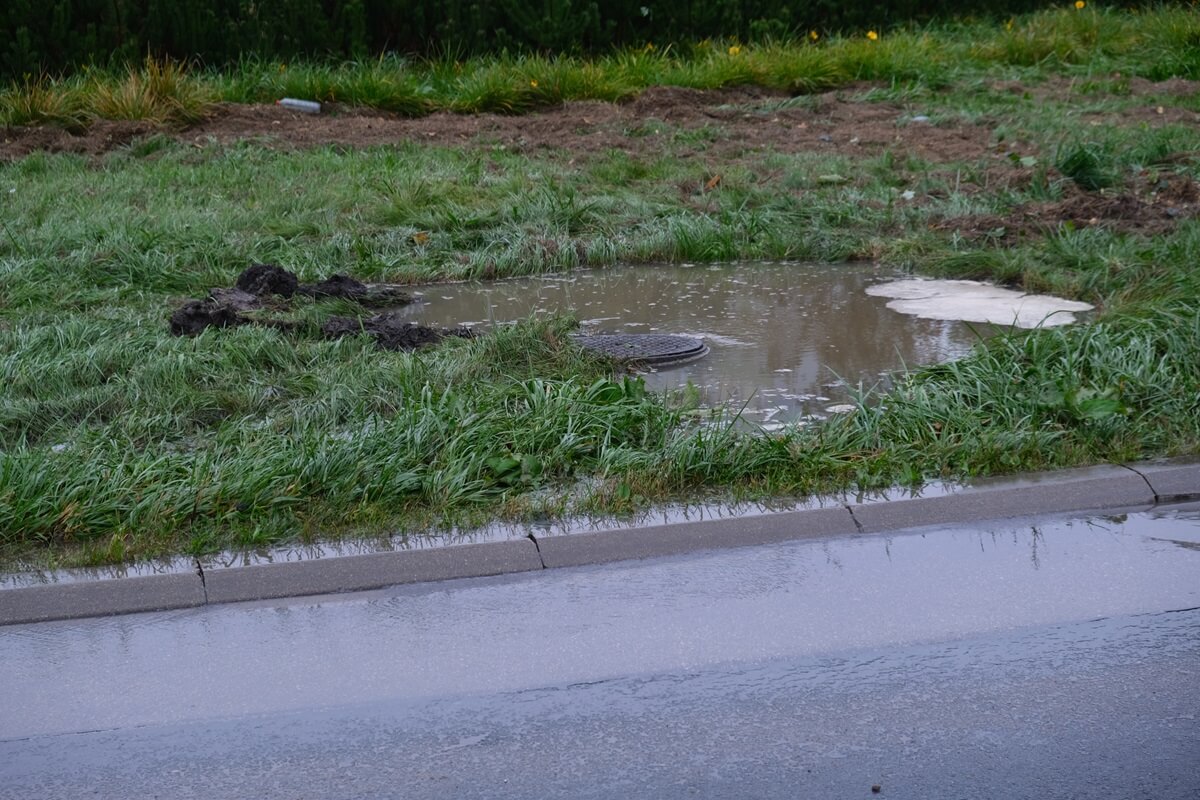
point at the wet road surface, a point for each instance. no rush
(1051, 658)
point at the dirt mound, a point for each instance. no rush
(195, 316)
(391, 331)
(224, 307)
(268, 279)
(338, 285)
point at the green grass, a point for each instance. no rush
(118, 441)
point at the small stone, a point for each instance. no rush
(876, 789)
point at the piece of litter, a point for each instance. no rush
(920, 118)
(907, 194)
(305, 106)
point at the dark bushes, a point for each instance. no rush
(57, 35)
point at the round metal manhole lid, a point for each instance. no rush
(647, 348)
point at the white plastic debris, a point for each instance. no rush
(305, 106)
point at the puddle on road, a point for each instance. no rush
(786, 339)
(823, 597)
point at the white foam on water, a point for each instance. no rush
(973, 301)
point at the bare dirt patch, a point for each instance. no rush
(737, 121)
(1149, 206)
(1150, 116)
(100, 138)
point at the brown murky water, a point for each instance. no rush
(787, 340)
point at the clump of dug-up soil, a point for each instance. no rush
(224, 308)
(195, 316)
(392, 331)
(267, 279)
(337, 285)
(262, 280)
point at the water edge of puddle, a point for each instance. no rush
(786, 340)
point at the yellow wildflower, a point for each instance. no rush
(734, 50)
(1080, 4)
(814, 35)
(872, 35)
(649, 48)
(533, 84)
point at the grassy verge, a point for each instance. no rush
(1154, 44)
(118, 441)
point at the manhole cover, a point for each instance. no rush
(648, 348)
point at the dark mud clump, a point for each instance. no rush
(195, 316)
(392, 331)
(224, 308)
(268, 279)
(344, 286)
(336, 285)
(235, 299)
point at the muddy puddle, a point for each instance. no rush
(786, 340)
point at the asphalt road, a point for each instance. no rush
(1046, 659)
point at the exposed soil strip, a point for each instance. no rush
(1149, 204)
(741, 119)
(730, 125)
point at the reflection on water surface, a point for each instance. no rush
(786, 339)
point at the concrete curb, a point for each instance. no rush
(370, 571)
(1047, 493)
(1170, 480)
(1076, 490)
(101, 598)
(576, 549)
